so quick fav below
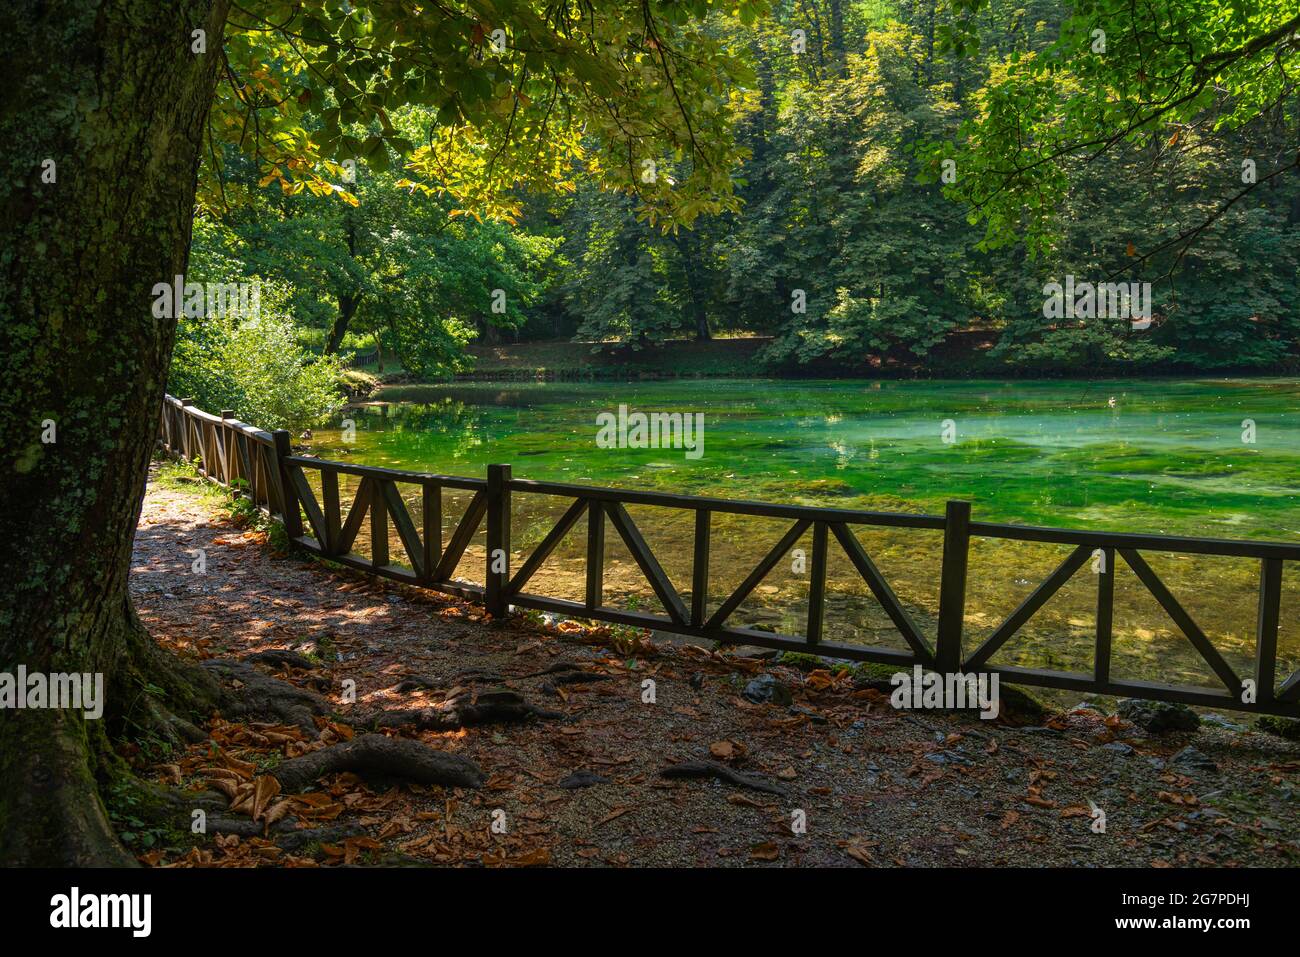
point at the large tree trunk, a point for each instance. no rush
(347, 309)
(112, 94)
(348, 302)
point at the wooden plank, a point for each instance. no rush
(952, 587)
(700, 567)
(757, 575)
(356, 515)
(460, 538)
(392, 475)
(245, 462)
(729, 506)
(817, 584)
(431, 505)
(548, 544)
(206, 430)
(1036, 600)
(329, 486)
(1268, 618)
(1184, 621)
(1227, 547)
(290, 514)
(649, 565)
(219, 454)
(315, 518)
(497, 569)
(255, 482)
(186, 433)
(378, 524)
(406, 532)
(595, 596)
(884, 594)
(1290, 690)
(1105, 615)
(1150, 690)
(740, 636)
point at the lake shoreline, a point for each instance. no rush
(963, 357)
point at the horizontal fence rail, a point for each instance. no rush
(262, 465)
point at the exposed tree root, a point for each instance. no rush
(260, 696)
(295, 840)
(486, 707)
(577, 677)
(468, 676)
(153, 718)
(582, 779)
(708, 769)
(380, 755)
(280, 658)
(559, 668)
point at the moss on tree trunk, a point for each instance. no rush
(102, 130)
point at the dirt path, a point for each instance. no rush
(875, 786)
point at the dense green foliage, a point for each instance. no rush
(871, 184)
(846, 196)
(255, 366)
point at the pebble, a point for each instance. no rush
(768, 688)
(1220, 721)
(949, 757)
(1191, 759)
(1158, 717)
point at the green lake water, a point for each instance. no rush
(1162, 456)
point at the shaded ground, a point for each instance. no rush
(876, 786)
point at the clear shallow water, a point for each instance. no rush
(1166, 457)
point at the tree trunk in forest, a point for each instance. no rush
(765, 119)
(102, 145)
(348, 301)
(689, 249)
(347, 309)
(838, 49)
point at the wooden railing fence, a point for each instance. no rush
(263, 465)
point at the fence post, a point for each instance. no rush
(288, 498)
(498, 540)
(1269, 617)
(952, 587)
(185, 430)
(228, 453)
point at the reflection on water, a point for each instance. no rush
(1160, 457)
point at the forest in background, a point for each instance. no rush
(847, 122)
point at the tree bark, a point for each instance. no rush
(838, 50)
(112, 94)
(347, 309)
(349, 301)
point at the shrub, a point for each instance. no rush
(256, 367)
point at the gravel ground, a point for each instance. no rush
(871, 785)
